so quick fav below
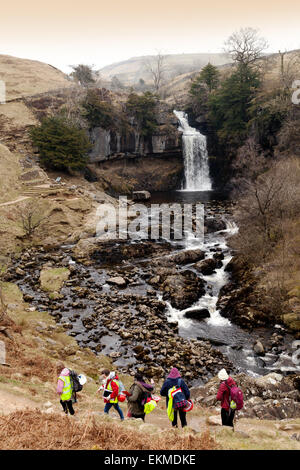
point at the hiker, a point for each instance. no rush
(64, 389)
(224, 396)
(110, 389)
(139, 393)
(175, 381)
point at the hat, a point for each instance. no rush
(222, 375)
(174, 374)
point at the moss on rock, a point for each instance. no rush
(52, 279)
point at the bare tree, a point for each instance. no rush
(289, 68)
(31, 217)
(245, 46)
(156, 68)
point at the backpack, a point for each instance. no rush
(179, 400)
(76, 385)
(236, 399)
(145, 396)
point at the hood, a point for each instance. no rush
(174, 374)
(230, 381)
(65, 372)
(111, 376)
(146, 386)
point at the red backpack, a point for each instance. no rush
(235, 396)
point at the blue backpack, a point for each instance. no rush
(179, 400)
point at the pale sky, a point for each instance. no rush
(96, 32)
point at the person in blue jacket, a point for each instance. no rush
(174, 379)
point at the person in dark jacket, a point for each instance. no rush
(174, 379)
(138, 393)
(227, 414)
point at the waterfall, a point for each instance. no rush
(196, 169)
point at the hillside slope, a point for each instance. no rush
(25, 77)
(132, 70)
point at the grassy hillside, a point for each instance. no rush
(176, 91)
(130, 71)
(25, 77)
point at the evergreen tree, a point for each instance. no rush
(142, 108)
(208, 76)
(202, 86)
(61, 144)
(229, 106)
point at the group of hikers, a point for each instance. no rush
(141, 399)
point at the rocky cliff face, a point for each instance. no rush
(117, 144)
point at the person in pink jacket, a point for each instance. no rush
(65, 398)
(227, 414)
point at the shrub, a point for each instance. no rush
(99, 113)
(62, 145)
(83, 74)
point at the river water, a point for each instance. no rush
(233, 341)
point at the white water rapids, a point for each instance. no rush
(196, 168)
(215, 281)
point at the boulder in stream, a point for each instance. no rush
(141, 195)
(187, 256)
(197, 313)
(207, 266)
(258, 348)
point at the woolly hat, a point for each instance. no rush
(174, 374)
(222, 375)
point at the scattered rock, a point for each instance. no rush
(214, 420)
(117, 281)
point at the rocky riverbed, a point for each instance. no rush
(119, 299)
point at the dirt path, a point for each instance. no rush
(22, 198)
(10, 402)
(249, 434)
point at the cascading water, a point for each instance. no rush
(196, 169)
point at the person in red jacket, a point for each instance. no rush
(111, 392)
(227, 414)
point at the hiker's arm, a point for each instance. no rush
(115, 390)
(60, 386)
(164, 390)
(135, 395)
(221, 390)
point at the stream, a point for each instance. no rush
(111, 320)
(137, 324)
(233, 341)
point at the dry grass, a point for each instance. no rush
(36, 430)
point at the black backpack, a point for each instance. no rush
(144, 397)
(76, 385)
